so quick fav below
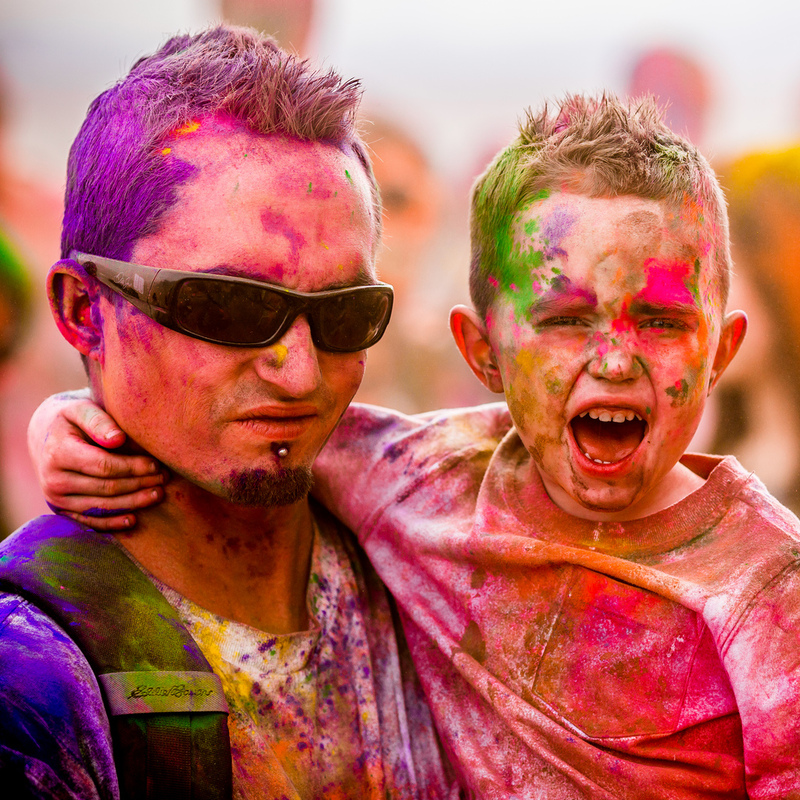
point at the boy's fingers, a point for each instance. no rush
(97, 507)
(75, 455)
(123, 522)
(66, 483)
(95, 423)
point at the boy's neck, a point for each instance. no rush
(678, 484)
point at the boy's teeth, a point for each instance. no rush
(596, 460)
(606, 416)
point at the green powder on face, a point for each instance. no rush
(694, 285)
(679, 392)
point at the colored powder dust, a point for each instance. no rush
(189, 127)
(281, 351)
(679, 391)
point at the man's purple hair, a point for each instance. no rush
(119, 184)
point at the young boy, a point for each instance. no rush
(593, 612)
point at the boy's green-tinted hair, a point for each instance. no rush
(597, 146)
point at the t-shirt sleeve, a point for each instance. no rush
(762, 657)
(54, 734)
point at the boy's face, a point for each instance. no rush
(605, 334)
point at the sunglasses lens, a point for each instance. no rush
(351, 322)
(236, 313)
(228, 312)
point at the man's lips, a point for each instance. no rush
(279, 422)
(608, 434)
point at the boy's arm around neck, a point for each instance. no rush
(376, 451)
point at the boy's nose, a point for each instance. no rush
(615, 359)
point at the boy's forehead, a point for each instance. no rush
(554, 216)
(556, 229)
(564, 246)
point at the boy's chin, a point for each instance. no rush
(598, 503)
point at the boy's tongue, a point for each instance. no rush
(607, 441)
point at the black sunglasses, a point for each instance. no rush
(246, 313)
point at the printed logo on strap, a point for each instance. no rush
(162, 692)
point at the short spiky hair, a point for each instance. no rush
(118, 183)
(600, 147)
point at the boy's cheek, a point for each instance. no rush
(685, 378)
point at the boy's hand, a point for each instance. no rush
(81, 479)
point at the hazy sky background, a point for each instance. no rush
(458, 71)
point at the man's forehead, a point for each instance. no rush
(215, 144)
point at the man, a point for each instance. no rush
(217, 278)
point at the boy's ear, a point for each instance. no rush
(469, 331)
(74, 300)
(734, 327)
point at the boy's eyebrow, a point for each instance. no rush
(653, 307)
(561, 296)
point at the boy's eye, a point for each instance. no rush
(558, 322)
(664, 324)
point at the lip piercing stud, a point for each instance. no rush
(283, 452)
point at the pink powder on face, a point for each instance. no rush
(669, 282)
(276, 223)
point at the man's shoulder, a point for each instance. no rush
(54, 731)
(36, 652)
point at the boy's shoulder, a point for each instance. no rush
(443, 431)
(740, 493)
(744, 540)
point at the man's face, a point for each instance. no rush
(605, 330)
(294, 214)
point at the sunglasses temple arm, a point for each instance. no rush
(150, 296)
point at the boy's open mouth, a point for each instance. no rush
(608, 435)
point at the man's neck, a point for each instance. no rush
(247, 564)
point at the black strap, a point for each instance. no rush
(166, 708)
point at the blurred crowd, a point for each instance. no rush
(753, 414)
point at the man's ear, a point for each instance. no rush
(470, 334)
(75, 302)
(734, 327)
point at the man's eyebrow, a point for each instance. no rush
(363, 278)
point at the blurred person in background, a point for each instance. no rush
(415, 367)
(755, 412)
(30, 226)
(289, 21)
(680, 84)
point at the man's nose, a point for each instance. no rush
(292, 363)
(615, 357)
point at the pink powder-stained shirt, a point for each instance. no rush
(564, 658)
